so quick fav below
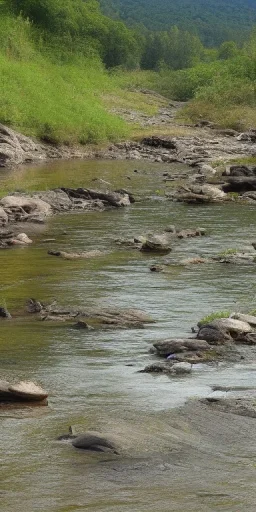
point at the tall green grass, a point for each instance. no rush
(59, 103)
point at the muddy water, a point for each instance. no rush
(169, 460)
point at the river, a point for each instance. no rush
(92, 376)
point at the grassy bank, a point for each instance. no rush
(54, 96)
(58, 103)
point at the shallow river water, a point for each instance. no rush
(93, 376)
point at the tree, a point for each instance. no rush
(227, 50)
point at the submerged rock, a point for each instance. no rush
(115, 317)
(76, 255)
(237, 258)
(195, 261)
(94, 441)
(169, 368)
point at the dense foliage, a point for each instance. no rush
(60, 61)
(214, 21)
(79, 27)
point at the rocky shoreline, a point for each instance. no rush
(204, 143)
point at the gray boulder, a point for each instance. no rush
(213, 335)
(231, 325)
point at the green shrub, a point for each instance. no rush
(213, 316)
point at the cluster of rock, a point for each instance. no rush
(241, 179)
(160, 242)
(237, 180)
(196, 193)
(84, 255)
(112, 316)
(40, 205)
(214, 341)
(245, 256)
(24, 391)
(37, 207)
(189, 149)
(240, 256)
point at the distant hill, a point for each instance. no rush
(213, 20)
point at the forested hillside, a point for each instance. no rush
(213, 20)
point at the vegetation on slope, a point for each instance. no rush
(63, 64)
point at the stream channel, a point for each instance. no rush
(92, 376)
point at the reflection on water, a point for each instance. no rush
(93, 376)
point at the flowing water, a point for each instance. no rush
(93, 376)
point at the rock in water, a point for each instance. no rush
(4, 313)
(27, 390)
(93, 441)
